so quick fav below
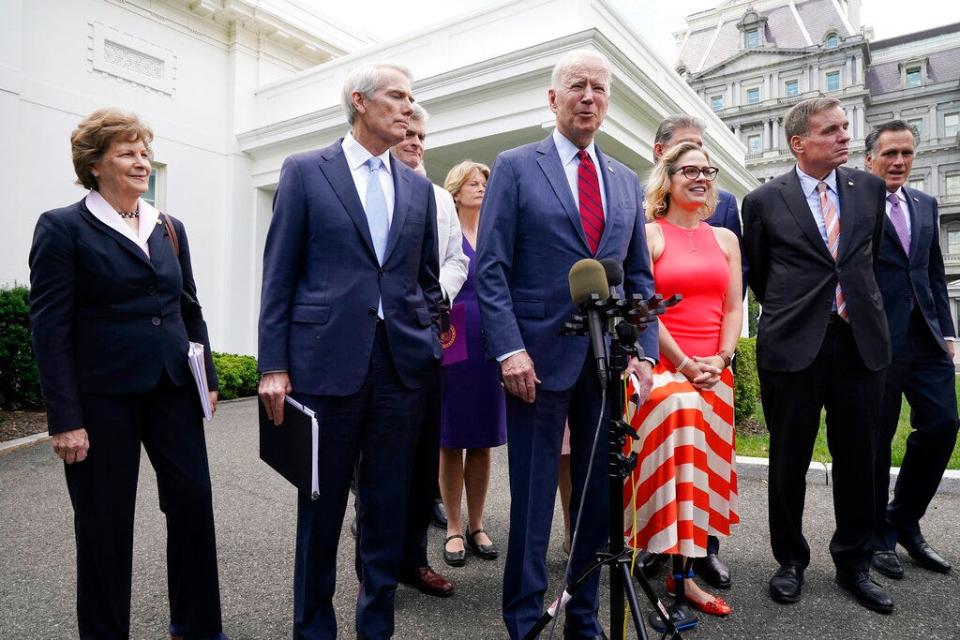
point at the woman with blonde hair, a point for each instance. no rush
(473, 414)
(686, 486)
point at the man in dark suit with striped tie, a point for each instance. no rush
(911, 276)
(813, 237)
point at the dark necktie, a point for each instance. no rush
(591, 205)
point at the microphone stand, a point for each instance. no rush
(635, 314)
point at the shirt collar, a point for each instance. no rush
(357, 155)
(568, 151)
(809, 183)
(900, 193)
(105, 213)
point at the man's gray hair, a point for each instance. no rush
(873, 137)
(419, 113)
(797, 120)
(365, 80)
(680, 121)
(575, 59)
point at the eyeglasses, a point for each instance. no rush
(692, 173)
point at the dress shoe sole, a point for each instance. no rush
(783, 599)
(427, 591)
(863, 602)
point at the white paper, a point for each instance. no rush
(315, 443)
(199, 371)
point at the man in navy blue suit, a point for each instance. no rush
(672, 131)
(348, 326)
(548, 205)
(911, 276)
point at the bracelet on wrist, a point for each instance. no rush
(683, 363)
(726, 356)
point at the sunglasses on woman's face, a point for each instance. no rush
(692, 173)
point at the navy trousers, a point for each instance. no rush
(923, 373)
(377, 425)
(534, 436)
(167, 421)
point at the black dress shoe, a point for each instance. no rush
(711, 569)
(923, 554)
(786, 584)
(454, 558)
(888, 563)
(485, 551)
(868, 593)
(438, 517)
(650, 563)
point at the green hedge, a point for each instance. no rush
(19, 379)
(238, 375)
(746, 381)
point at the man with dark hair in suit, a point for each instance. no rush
(548, 205)
(911, 276)
(348, 326)
(813, 236)
(672, 131)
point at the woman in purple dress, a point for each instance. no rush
(473, 417)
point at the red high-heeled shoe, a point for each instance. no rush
(716, 607)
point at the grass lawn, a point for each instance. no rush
(757, 444)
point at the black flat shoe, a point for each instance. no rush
(454, 558)
(485, 551)
(438, 516)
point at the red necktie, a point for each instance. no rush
(591, 205)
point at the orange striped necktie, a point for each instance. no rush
(832, 222)
(591, 205)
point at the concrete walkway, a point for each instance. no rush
(255, 528)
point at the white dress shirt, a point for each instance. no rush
(809, 186)
(453, 261)
(105, 213)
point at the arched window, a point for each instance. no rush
(832, 41)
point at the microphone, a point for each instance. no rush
(587, 277)
(614, 271)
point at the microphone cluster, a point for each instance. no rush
(601, 309)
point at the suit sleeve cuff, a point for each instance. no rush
(508, 354)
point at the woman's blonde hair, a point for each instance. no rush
(94, 135)
(458, 175)
(657, 196)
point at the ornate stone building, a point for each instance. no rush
(749, 61)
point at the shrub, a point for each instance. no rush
(237, 374)
(19, 379)
(746, 380)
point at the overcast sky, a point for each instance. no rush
(656, 20)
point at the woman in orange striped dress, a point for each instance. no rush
(684, 487)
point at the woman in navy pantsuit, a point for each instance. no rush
(113, 308)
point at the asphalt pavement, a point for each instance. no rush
(255, 515)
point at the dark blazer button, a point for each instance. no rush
(156, 322)
(151, 291)
(380, 272)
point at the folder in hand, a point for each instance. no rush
(291, 448)
(199, 370)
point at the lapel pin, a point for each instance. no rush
(849, 183)
(159, 222)
(916, 199)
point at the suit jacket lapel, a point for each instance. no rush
(549, 162)
(611, 182)
(401, 202)
(158, 237)
(333, 164)
(796, 202)
(849, 213)
(916, 221)
(121, 239)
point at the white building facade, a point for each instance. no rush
(232, 87)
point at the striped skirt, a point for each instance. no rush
(684, 486)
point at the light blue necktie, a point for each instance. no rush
(376, 209)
